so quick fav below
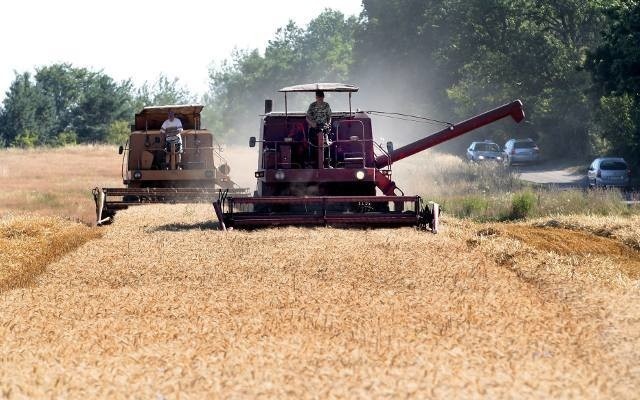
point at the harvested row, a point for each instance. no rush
(162, 305)
(29, 243)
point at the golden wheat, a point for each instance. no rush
(56, 181)
(163, 306)
(29, 243)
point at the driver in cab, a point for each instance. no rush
(172, 128)
(319, 120)
(319, 112)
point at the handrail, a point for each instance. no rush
(278, 142)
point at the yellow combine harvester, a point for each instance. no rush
(156, 169)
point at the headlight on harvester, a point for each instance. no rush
(137, 175)
(224, 169)
(279, 175)
(480, 157)
(259, 174)
(208, 173)
(360, 175)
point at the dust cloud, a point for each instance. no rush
(243, 161)
(387, 88)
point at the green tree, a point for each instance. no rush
(615, 67)
(237, 88)
(27, 113)
(473, 55)
(163, 91)
(103, 101)
(63, 85)
(60, 99)
(403, 54)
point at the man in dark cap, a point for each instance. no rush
(319, 119)
(319, 112)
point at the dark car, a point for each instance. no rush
(485, 151)
(609, 172)
(520, 151)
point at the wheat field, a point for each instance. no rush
(56, 181)
(160, 305)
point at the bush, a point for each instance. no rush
(473, 206)
(522, 204)
(66, 137)
(25, 139)
(118, 132)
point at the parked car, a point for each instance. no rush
(520, 151)
(485, 151)
(609, 171)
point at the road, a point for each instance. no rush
(562, 176)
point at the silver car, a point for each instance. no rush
(485, 151)
(609, 171)
(521, 151)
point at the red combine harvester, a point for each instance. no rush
(333, 181)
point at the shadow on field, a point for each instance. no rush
(179, 227)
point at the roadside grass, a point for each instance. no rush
(528, 203)
(491, 192)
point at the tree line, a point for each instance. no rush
(62, 104)
(574, 63)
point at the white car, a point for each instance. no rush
(609, 172)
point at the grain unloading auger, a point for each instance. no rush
(332, 180)
(155, 171)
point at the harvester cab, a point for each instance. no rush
(169, 166)
(339, 178)
(294, 161)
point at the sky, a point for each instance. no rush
(141, 39)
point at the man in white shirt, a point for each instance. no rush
(172, 128)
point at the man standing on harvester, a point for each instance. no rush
(319, 119)
(172, 128)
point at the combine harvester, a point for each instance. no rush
(333, 180)
(200, 176)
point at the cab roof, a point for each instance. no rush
(325, 87)
(184, 109)
(152, 117)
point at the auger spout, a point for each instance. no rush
(513, 109)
